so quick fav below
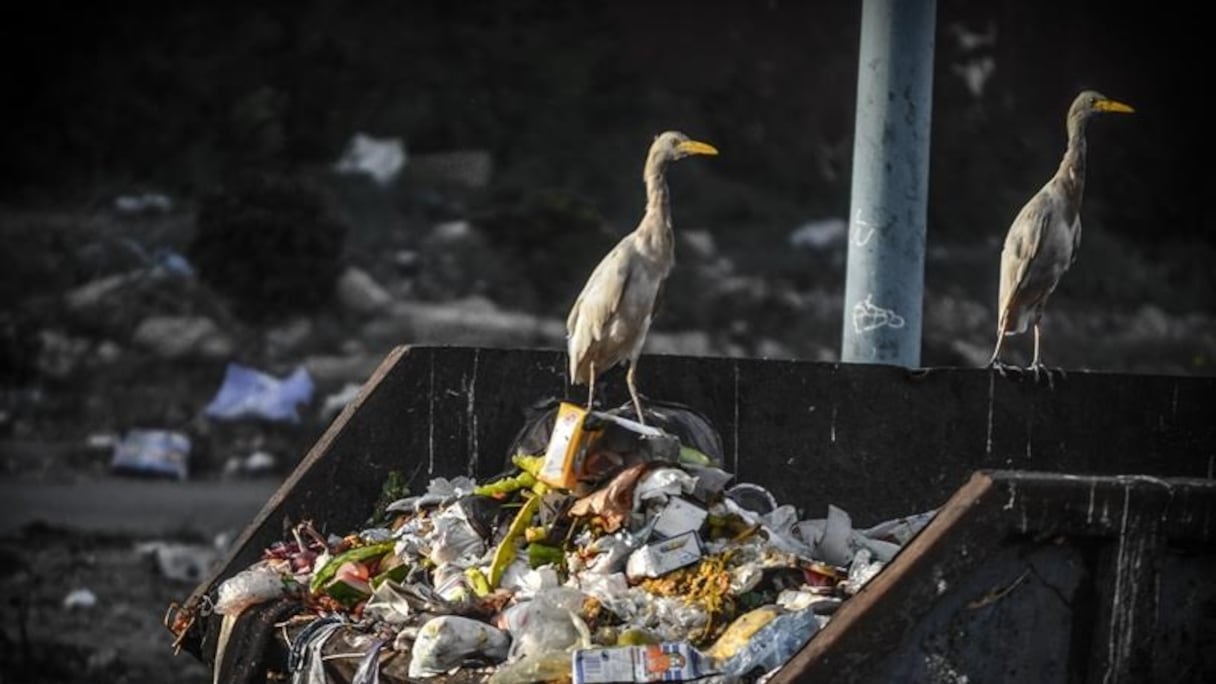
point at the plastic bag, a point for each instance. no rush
(770, 646)
(304, 660)
(368, 670)
(670, 618)
(692, 427)
(741, 632)
(453, 539)
(526, 583)
(794, 600)
(247, 393)
(390, 603)
(447, 641)
(784, 540)
(255, 585)
(861, 571)
(900, 530)
(544, 668)
(451, 583)
(834, 546)
(548, 623)
(438, 491)
(658, 485)
(608, 589)
(152, 452)
(710, 482)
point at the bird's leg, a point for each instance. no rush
(1035, 361)
(590, 385)
(1036, 364)
(633, 391)
(995, 363)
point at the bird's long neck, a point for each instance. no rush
(655, 228)
(1071, 173)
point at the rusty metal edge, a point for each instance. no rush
(192, 640)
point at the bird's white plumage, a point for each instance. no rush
(1044, 238)
(1039, 249)
(611, 317)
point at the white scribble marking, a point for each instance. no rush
(863, 232)
(862, 239)
(430, 468)
(1127, 560)
(833, 425)
(472, 416)
(867, 316)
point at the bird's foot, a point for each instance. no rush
(1001, 367)
(1039, 368)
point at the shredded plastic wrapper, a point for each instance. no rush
(645, 570)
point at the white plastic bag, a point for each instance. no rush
(446, 641)
(548, 623)
(250, 587)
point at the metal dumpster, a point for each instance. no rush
(880, 441)
(1038, 577)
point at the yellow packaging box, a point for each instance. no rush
(567, 446)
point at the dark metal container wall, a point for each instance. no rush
(879, 441)
(1038, 578)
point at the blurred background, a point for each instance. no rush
(305, 185)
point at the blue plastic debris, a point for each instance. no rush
(774, 644)
(248, 393)
(152, 452)
(172, 262)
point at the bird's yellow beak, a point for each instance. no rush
(1113, 106)
(696, 147)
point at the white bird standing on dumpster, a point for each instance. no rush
(1043, 240)
(610, 318)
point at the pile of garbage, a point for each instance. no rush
(611, 551)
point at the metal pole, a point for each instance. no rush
(884, 284)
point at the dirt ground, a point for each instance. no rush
(98, 533)
(118, 639)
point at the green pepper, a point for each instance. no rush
(694, 457)
(395, 573)
(529, 464)
(506, 485)
(478, 582)
(544, 554)
(505, 553)
(355, 555)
